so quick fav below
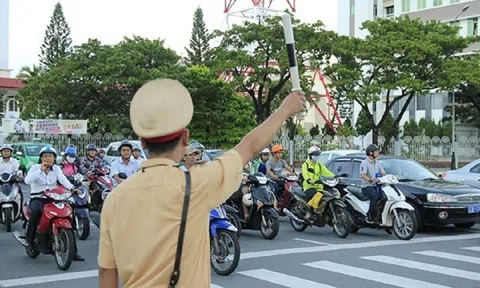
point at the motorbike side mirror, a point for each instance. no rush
(122, 175)
(311, 170)
(251, 178)
(19, 153)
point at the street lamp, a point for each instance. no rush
(454, 164)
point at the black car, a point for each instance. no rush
(436, 201)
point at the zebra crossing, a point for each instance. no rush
(414, 271)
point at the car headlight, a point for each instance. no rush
(440, 198)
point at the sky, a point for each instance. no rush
(110, 20)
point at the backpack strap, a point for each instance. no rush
(178, 257)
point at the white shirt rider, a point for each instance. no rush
(40, 181)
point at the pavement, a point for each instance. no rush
(315, 258)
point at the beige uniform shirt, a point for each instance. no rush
(141, 221)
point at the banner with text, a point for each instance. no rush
(47, 126)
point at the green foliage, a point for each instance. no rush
(363, 124)
(57, 42)
(346, 129)
(255, 45)
(199, 49)
(403, 55)
(389, 128)
(314, 131)
(427, 128)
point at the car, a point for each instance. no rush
(468, 174)
(436, 201)
(214, 153)
(332, 154)
(27, 153)
(112, 153)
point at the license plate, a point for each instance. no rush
(473, 209)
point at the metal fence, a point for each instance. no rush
(420, 148)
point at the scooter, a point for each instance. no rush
(291, 185)
(79, 203)
(101, 185)
(224, 245)
(392, 210)
(232, 216)
(55, 232)
(10, 200)
(332, 210)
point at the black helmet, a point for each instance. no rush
(371, 148)
(125, 143)
(91, 147)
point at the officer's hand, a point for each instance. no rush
(294, 103)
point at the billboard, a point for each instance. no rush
(45, 126)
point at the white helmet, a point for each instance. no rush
(48, 149)
(313, 149)
(6, 146)
(265, 151)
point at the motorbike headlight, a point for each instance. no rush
(3, 197)
(13, 193)
(59, 197)
(440, 198)
(221, 212)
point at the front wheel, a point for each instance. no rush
(341, 226)
(269, 229)
(66, 249)
(8, 218)
(235, 220)
(225, 259)
(298, 209)
(83, 228)
(405, 227)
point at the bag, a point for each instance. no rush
(178, 257)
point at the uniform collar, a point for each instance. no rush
(157, 161)
(371, 160)
(9, 160)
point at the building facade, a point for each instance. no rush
(351, 15)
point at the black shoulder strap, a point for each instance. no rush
(178, 257)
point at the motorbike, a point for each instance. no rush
(223, 238)
(262, 214)
(101, 185)
(332, 210)
(232, 216)
(55, 232)
(291, 183)
(10, 200)
(79, 203)
(96, 220)
(392, 209)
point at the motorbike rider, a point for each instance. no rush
(125, 164)
(275, 168)
(312, 186)
(69, 164)
(44, 176)
(10, 165)
(261, 164)
(90, 160)
(192, 156)
(370, 168)
(136, 155)
(101, 155)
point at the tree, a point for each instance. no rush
(57, 42)
(346, 129)
(97, 83)
(404, 55)
(389, 128)
(314, 131)
(199, 47)
(363, 124)
(256, 47)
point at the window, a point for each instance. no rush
(437, 101)
(405, 6)
(437, 2)
(389, 10)
(472, 27)
(421, 4)
(475, 169)
(421, 105)
(454, 1)
(356, 169)
(341, 167)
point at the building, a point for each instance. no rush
(352, 13)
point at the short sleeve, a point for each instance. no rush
(363, 168)
(106, 257)
(381, 168)
(114, 168)
(218, 179)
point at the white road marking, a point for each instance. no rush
(450, 256)
(48, 278)
(311, 241)
(475, 248)
(313, 249)
(283, 279)
(370, 275)
(425, 267)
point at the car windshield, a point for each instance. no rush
(34, 149)
(324, 158)
(407, 170)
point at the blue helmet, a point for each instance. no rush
(71, 151)
(91, 147)
(125, 143)
(46, 149)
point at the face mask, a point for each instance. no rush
(70, 159)
(316, 158)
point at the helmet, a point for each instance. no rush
(6, 146)
(313, 151)
(101, 150)
(46, 149)
(196, 145)
(190, 150)
(125, 143)
(265, 151)
(136, 149)
(277, 148)
(71, 151)
(91, 147)
(371, 148)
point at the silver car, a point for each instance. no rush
(112, 153)
(469, 174)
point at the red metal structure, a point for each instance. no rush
(10, 83)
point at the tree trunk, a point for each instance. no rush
(375, 132)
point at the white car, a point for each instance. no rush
(468, 174)
(332, 154)
(112, 153)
